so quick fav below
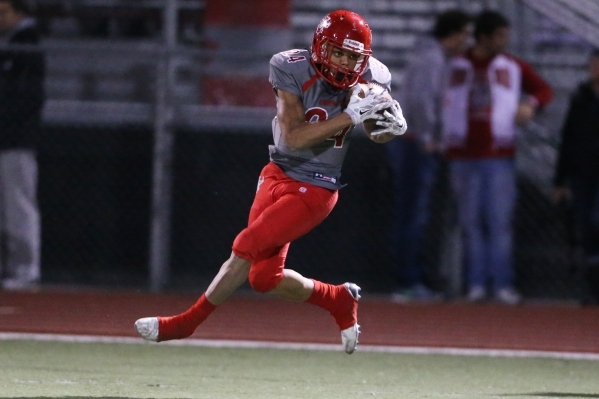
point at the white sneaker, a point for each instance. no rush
(477, 294)
(354, 290)
(147, 327)
(509, 296)
(349, 336)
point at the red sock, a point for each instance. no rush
(184, 324)
(338, 301)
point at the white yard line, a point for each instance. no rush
(219, 343)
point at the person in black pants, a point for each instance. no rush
(577, 171)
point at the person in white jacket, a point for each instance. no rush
(490, 93)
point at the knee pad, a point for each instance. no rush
(264, 280)
(245, 246)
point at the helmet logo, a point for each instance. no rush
(353, 45)
(324, 23)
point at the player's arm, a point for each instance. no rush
(299, 134)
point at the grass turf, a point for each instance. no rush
(30, 369)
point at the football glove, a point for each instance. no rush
(393, 123)
(361, 109)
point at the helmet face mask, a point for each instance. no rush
(341, 33)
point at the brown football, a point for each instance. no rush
(366, 88)
(370, 124)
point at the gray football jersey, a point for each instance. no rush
(321, 164)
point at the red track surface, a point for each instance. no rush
(263, 318)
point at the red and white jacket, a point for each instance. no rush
(481, 102)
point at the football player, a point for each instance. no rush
(319, 101)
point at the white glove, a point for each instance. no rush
(360, 109)
(394, 121)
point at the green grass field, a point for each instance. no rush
(32, 369)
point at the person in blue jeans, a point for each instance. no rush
(489, 94)
(487, 187)
(414, 158)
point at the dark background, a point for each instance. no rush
(95, 197)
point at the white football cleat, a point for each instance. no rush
(147, 327)
(349, 338)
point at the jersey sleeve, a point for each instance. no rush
(282, 77)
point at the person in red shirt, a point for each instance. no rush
(489, 94)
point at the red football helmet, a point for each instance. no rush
(346, 30)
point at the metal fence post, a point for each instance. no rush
(163, 153)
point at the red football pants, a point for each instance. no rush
(284, 209)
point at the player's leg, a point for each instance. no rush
(293, 287)
(269, 276)
(271, 227)
(284, 210)
(299, 209)
(232, 274)
(341, 301)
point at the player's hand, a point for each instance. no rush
(361, 109)
(393, 123)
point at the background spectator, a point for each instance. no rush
(21, 102)
(482, 106)
(414, 157)
(577, 170)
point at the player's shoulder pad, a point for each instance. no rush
(290, 58)
(378, 72)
